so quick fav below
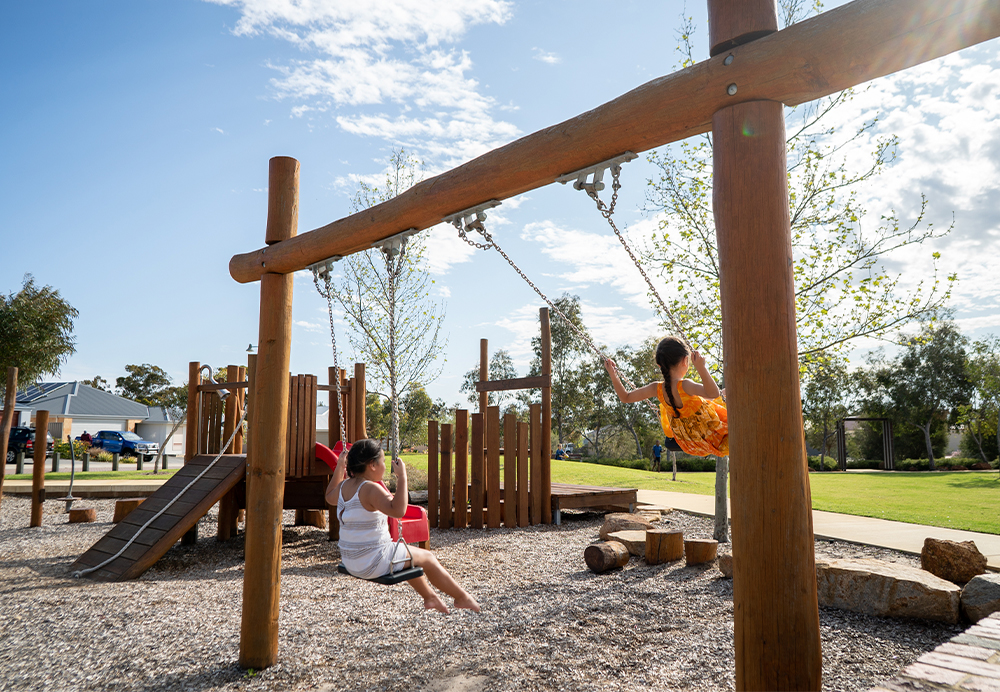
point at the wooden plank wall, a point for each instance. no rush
(470, 492)
(301, 439)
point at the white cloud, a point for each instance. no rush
(390, 68)
(545, 56)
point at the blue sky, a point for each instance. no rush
(135, 139)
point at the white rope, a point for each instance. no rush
(239, 426)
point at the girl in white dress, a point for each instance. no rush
(363, 509)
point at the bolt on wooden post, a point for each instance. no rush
(262, 576)
(774, 584)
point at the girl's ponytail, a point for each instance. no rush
(669, 352)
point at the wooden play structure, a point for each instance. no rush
(467, 485)
(737, 94)
(173, 511)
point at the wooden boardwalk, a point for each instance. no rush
(179, 518)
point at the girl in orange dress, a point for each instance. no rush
(692, 413)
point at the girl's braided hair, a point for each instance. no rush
(669, 352)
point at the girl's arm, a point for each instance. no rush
(339, 473)
(629, 397)
(707, 388)
(376, 498)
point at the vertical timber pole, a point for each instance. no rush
(193, 414)
(262, 575)
(38, 468)
(484, 374)
(9, 399)
(546, 335)
(774, 583)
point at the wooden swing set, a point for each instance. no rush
(738, 94)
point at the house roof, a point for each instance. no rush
(77, 400)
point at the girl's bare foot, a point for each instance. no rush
(435, 603)
(467, 602)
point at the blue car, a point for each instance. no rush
(124, 443)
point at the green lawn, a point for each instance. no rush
(966, 500)
(96, 475)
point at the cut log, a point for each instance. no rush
(82, 515)
(601, 557)
(123, 508)
(698, 551)
(664, 545)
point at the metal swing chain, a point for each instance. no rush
(390, 266)
(607, 211)
(328, 294)
(478, 226)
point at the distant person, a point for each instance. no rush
(560, 453)
(85, 437)
(657, 451)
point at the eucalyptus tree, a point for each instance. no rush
(981, 415)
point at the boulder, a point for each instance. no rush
(981, 596)
(635, 541)
(955, 561)
(623, 522)
(886, 589)
(726, 565)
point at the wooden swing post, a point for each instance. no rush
(10, 398)
(774, 584)
(38, 469)
(262, 576)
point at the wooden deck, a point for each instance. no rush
(167, 529)
(566, 496)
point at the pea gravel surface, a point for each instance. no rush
(547, 623)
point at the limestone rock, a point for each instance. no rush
(726, 565)
(634, 540)
(623, 522)
(886, 589)
(955, 561)
(981, 596)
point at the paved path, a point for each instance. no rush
(897, 535)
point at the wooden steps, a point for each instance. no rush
(168, 528)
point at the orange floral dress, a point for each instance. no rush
(702, 429)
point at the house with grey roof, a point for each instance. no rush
(75, 408)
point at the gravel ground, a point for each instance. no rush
(547, 622)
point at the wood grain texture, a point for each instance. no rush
(477, 439)
(432, 473)
(444, 477)
(535, 416)
(843, 47)
(38, 467)
(10, 397)
(262, 574)
(774, 586)
(523, 463)
(191, 430)
(461, 490)
(546, 337)
(510, 470)
(493, 467)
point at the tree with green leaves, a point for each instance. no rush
(843, 289)
(36, 332)
(386, 299)
(98, 382)
(150, 385)
(826, 392)
(925, 382)
(569, 401)
(638, 420)
(981, 415)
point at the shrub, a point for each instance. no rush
(873, 464)
(62, 448)
(829, 463)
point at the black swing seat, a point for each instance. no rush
(390, 579)
(671, 445)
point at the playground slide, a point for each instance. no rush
(180, 517)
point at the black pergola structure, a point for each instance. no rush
(887, 448)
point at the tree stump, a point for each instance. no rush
(700, 550)
(601, 557)
(125, 507)
(664, 545)
(82, 515)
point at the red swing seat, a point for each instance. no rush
(416, 528)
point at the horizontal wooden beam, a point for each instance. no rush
(221, 385)
(838, 49)
(344, 388)
(518, 383)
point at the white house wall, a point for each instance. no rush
(94, 425)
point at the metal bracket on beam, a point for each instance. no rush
(394, 244)
(324, 267)
(471, 218)
(581, 177)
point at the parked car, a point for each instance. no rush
(124, 443)
(23, 440)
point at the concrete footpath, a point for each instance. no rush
(908, 538)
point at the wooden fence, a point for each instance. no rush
(478, 478)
